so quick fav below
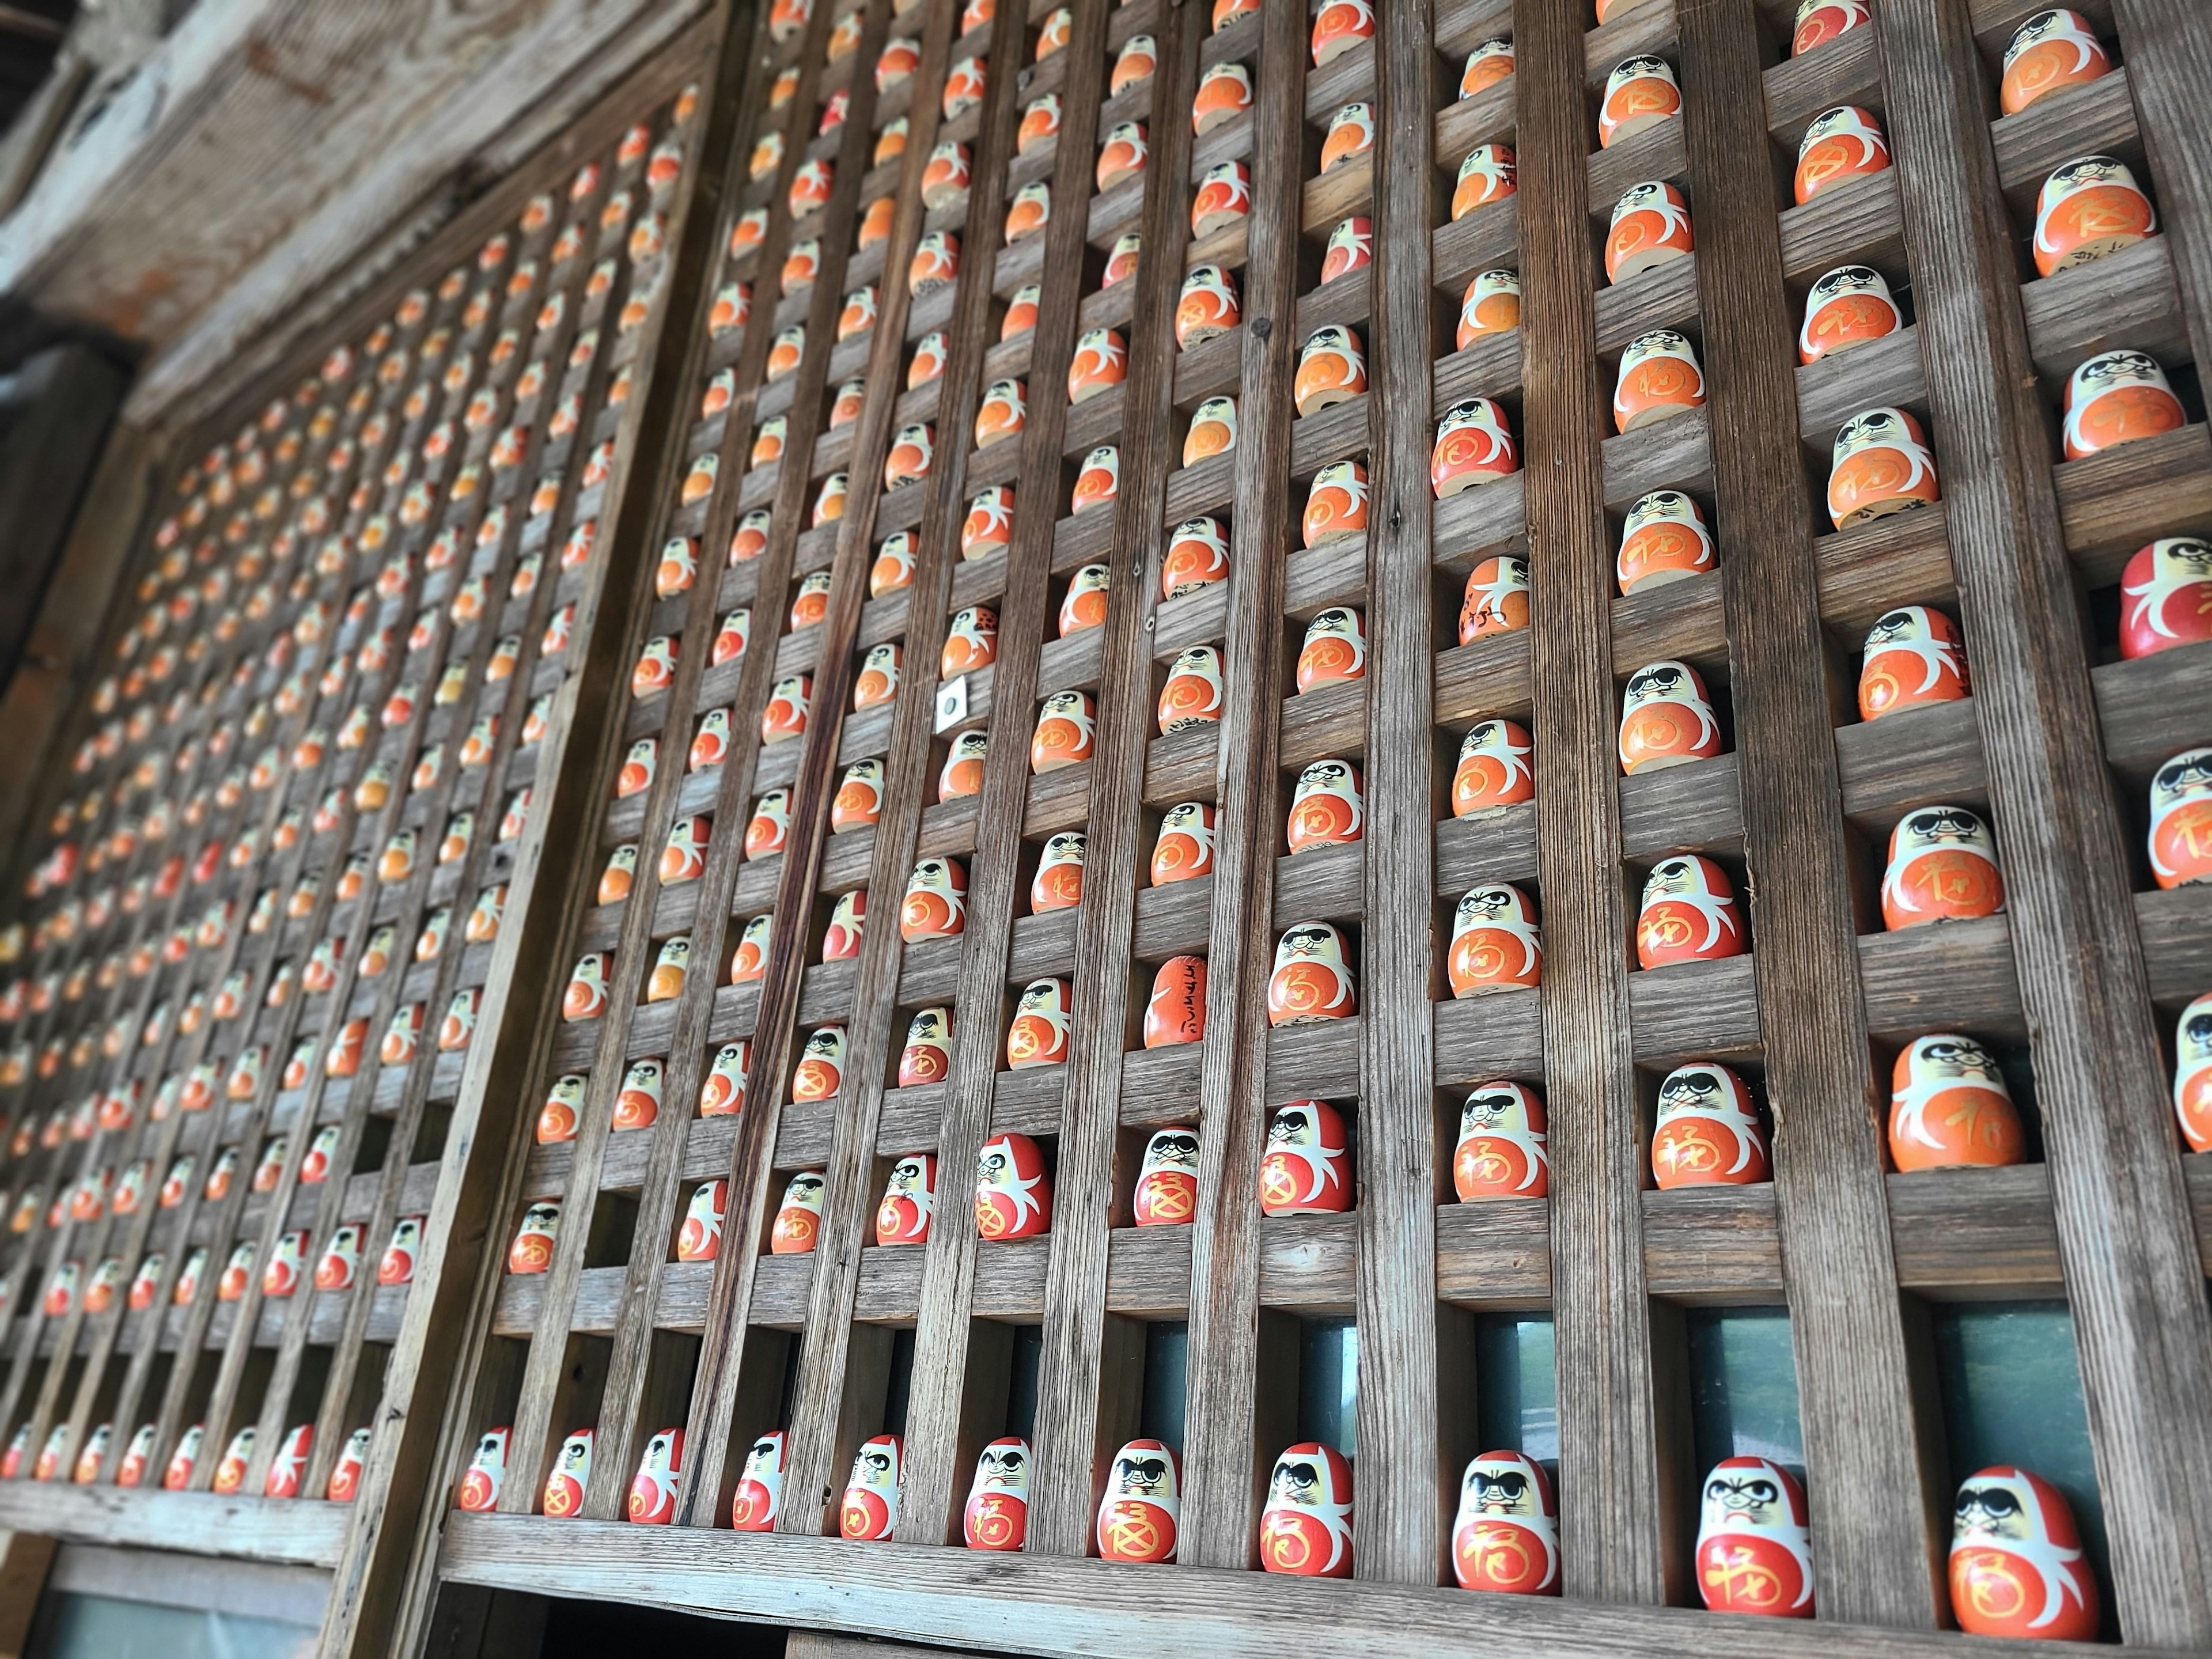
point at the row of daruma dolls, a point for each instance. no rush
(338, 1268)
(287, 1470)
(2017, 1567)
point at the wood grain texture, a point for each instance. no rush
(979, 1023)
(1617, 1537)
(1877, 1494)
(825, 1388)
(2134, 1274)
(2168, 51)
(936, 1417)
(1404, 1491)
(1223, 1464)
(728, 1366)
(1053, 1605)
(1084, 1412)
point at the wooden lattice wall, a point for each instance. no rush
(2079, 980)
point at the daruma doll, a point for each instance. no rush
(2017, 1565)
(2051, 51)
(1506, 1534)
(1754, 1549)
(1305, 1527)
(1708, 1134)
(1500, 1150)
(1949, 1106)
(1914, 656)
(1942, 867)
(1141, 1506)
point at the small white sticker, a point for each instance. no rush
(952, 702)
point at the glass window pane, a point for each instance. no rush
(1166, 1349)
(1743, 1386)
(1516, 1386)
(1329, 1383)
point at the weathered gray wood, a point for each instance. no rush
(1405, 1494)
(1223, 1463)
(829, 1410)
(2134, 1275)
(1053, 1606)
(940, 1408)
(1877, 1489)
(2166, 49)
(1081, 1419)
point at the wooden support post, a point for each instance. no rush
(1401, 1492)
(1065, 1458)
(1616, 1503)
(1876, 1497)
(1225, 1464)
(929, 1509)
(2135, 1274)
(821, 1447)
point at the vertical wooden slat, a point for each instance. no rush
(2168, 51)
(1223, 1464)
(1080, 1421)
(1875, 1497)
(929, 1509)
(1400, 1491)
(816, 1449)
(1613, 1503)
(2135, 1276)
(382, 1588)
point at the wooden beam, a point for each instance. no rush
(1224, 1462)
(1053, 1605)
(2134, 1274)
(1403, 1523)
(938, 1430)
(1065, 1464)
(1616, 1497)
(1877, 1487)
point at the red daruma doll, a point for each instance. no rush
(2181, 819)
(2017, 1568)
(1307, 1168)
(1688, 914)
(572, 1472)
(1326, 807)
(1913, 656)
(1311, 981)
(1949, 1106)
(997, 1513)
(1506, 1535)
(700, 1237)
(1167, 1182)
(870, 1510)
(486, 1472)
(1496, 944)
(1013, 1194)
(2166, 594)
(799, 1220)
(928, 1056)
(2192, 1073)
(1139, 1510)
(1708, 1134)
(909, 1197)
(1500, 1152)
(1175, 1013)
(1754, 1550)
(1666, 718)
(1942, 867)
(660, 1477)
(1306, 1528)
(759, 1495)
